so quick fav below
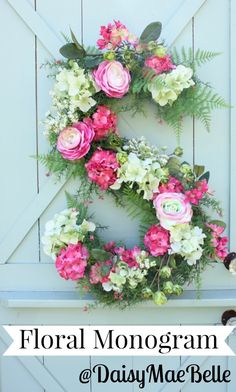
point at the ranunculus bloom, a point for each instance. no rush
(160, 64)
(172, 209)
(71, 261)
(102, 168)
(74, 142)
(104, 122)
(157, 240)
(112, 78)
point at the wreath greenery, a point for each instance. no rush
(170, 198)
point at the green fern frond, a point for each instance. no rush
(191, 58)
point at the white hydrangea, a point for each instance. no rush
(146, 173)
(73, 91)
(166, 88)
(186, 241)
(63, 230)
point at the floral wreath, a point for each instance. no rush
(170, 197)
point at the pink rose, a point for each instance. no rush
(74, 142)
(71, 261)
(104, 122)
(172, 209)
(160, 64)
(157, 240)
(102, 168)
(112, 78)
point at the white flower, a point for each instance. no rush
(63, 230)
(186, 241)
(166, 88)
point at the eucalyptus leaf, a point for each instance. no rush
(91, 62)
(198, 170)
(205, 176)
(70, 51)
(151, 33)
(218, 223)
(100, 254)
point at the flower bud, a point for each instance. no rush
(147, 293)
(160, 51)
(122, 157)
(177, 289)
(109, 55)
(165, 272)
(159, 298)
(178, 151)
(168, 287)
(151, 45)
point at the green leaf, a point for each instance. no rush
(151, 33)
(218, 223)
(173, 165)
(100, 255)
(91, 62)
(205, 176)
(198, 170)
(70, 51)
(77, 44)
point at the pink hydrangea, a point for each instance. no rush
(72, 261)
(113, 35)
(74, 142)
(99, 272)
(160, 64)
(104, 121)
(102, 168)
(196, 194)
(173, 185)
(112, 78)
(157, 240)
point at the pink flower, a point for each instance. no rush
(160, 64)
(172, 209)
(218, 242)
(99, 272)
(216, 230)
(129, 256)
(109, 246)
(102, 168)
(74, 142)
(113, 35)
(196, 194)
(112, 78)
(71, 261)
(221, 249)
(173, 185)
(104, 122)
(157, 240)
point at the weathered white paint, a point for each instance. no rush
(33, 292)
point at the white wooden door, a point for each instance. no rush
(31, 290)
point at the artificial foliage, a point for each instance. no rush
(170, 198)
